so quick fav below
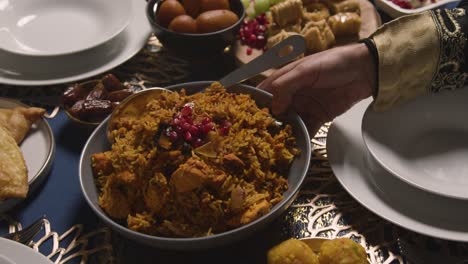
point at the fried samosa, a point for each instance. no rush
(18, 121)
(13, 171)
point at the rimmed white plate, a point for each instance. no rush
(395, 11)
(27, 70)
(385, 195)
(59, 27)
(38, 149)
(423, 142)
(15, 253)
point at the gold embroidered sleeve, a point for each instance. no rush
(419, 54)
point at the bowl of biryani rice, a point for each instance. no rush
(194, 167)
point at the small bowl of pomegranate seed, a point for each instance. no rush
(199, 34)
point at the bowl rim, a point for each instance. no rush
(250, 226)
(376, 155)
(150, 14)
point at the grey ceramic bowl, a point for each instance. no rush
(98, 143)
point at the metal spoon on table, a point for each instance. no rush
(278, 55)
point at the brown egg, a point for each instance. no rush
(206, 5)
(183, 24)
(214, 20)
(192, 7)
(168, 10)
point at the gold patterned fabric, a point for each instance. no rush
(419, 54)
(408, 51)
(449, 74)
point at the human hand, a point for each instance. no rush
(324, 85)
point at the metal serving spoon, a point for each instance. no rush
(278, 55)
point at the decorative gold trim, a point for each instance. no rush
(448, 75)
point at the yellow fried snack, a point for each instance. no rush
(318, 36)
(287, 12)
(13, 171)
(315, 12)
(292, 251)
(342, 251)
(344, 6)
(274, 29)
(17, 121)
(282, 35)
(345, 24)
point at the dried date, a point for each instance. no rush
(118, 96)
(112, 83)
(98, 93)
(97, 110)
(77, 109)
(74, 94)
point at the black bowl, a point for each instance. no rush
(199, 45)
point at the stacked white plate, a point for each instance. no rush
(409, 164)
(44, 42)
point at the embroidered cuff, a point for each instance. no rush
(408, 52)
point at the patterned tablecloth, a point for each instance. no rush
(323, 208)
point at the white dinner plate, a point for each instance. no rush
(38, 148)
(30, 70)
(58, 27)
(423, 142)
(15, 253)
(385, 195)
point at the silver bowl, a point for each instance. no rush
(98, 143)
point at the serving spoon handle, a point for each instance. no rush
(278, 55)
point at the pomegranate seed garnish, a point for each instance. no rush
(249, 51)
(206, 120)
(185, 126)
(173, 136)
(223, 131)
(188, 136)
(194, 130)
(208, 127)
(186, 110)
(197, 143)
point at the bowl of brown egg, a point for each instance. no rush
(195, 28)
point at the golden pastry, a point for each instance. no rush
(345, 24)
(318, 36)
(282, 35)
(344, 6)
(13, 171)
(17, 121)
(315, 12)
(287, 12)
